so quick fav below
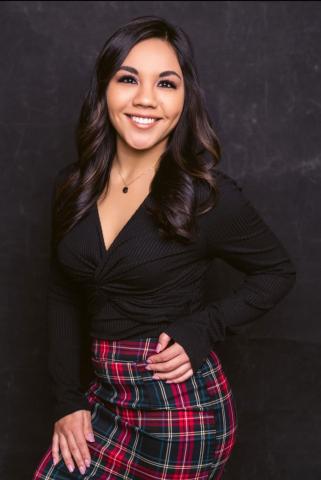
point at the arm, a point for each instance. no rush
(64, 316)
(237, 234)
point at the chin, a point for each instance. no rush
(142, 144)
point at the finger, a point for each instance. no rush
(88, 430)
(163, 340)
(75, 451)
(176, 373)
(170, 365)
(55, 448)
(65, 452)
(184, 377)
(167, 354)
(82, 447)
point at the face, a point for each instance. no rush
(140, 87)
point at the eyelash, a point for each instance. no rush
(133, 78)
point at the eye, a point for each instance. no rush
(172, 85)
(129, 77)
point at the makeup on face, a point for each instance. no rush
(146, 96)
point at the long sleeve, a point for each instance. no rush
(64, 307)
(236, 233)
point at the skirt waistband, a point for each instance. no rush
(124, 350)
(133, 351)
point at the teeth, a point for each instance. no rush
(143, 120)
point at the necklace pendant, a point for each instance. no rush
(125, 189)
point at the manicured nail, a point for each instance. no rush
(91, 438)
(159, 346)
(156, 377)
(87, 462)
(148, 367)
(169, 381)
(70, 468)
(148, 360)
(82, 470)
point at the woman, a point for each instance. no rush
(136, 221)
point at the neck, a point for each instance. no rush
(131, 161)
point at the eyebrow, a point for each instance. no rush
(162, 74)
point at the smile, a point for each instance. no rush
(142, 122)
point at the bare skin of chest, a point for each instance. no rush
(116, 208)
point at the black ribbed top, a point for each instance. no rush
(144, 285)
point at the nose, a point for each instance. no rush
(145, 96)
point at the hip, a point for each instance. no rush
(121, 378)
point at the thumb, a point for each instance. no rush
(163, 341)
(88, 431)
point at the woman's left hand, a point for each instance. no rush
(173, 364)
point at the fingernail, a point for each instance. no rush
(159, 346)
(156, 376)
(91, 437)
(148, 367)
(87, 462)
(70, 468)
(148, 360)
(82, 469)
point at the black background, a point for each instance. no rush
(259, 64)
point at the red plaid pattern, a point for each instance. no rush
(146, 428)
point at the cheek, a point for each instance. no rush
(173, 107)
(116, 98)
(173, 117)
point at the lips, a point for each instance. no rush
(142, 125)
(142, 116)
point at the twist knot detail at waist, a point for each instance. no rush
(145, 309)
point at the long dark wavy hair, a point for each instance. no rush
(180, 166)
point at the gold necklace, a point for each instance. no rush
(125, 188)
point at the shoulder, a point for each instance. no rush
(228, 186)
(63, 173)
(59, 178)
(231, 198)
(233, 215)
(229, 192)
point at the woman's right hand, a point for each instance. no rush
(70, 435)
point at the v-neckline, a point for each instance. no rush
(122, 230)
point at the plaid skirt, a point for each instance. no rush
(146, 428)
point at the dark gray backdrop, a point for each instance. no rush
(260, 65)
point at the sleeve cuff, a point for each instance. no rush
(62, 409)
(192, 333)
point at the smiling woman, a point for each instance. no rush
(135, 264)
(143, 99)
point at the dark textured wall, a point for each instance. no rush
(260, 65)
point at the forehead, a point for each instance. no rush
(152, 56)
